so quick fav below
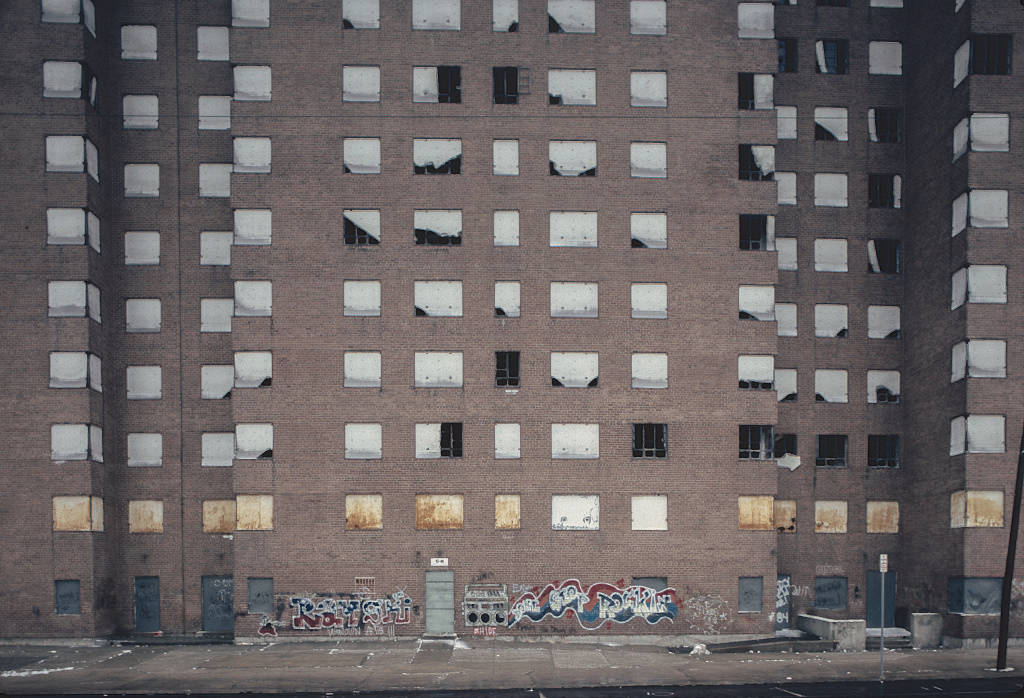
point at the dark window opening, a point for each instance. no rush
(883, 451)
(506, 369)
(449, 84)
(67, 597)
(656, 583)
(650, 440)
(884, 256)
(354, 235)
(832, 450)
(453, 166)
(834, 58)
(746, 91)
(823, 134)
(756, 441)
(506, 85)
(884, 395)
(833, 3)
(753, 231)
(748, 168)
(431, 237)
(787, 55)
(882, 191)
(756, 385)
(991, 54)
(785, 444)
(974, 595)
(888, 125)
(751, 591)
(830, 593)
(451, 439)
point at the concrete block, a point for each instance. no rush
(925, 630)
(847, 634)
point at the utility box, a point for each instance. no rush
(485, 604)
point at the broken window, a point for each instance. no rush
(572, 158)
(506, 157)
(990, 133)
(785, 445)
(961, 62)
(755, 91)
(254, 512)
(832, 56)
(215, 179)
(505, 15)
(438, 369)
(360, 83)
(785, 386)
(361, 155)
(650, 370)
(65, 154)
(254, 441)
(988, 208)
(885, 191)
(436, 156)
(575, 441)
(61, 11)
(572, 87)
(884, 256)
(755, 512)
(145, 450)
(506, 229)
(436, 14)
(138, 43)
(215, 314)
(69, 442)
(885, 58)
(212, 44)
(649, 160)
(440, 84)
(786, 188)
(756, 441)
(831, 124)
(214, 113)
(218, 450)
(883, 387)
(142, 315)
(757, 232)
(757, 303)
(755, 20)
(360, 14)
(362, 512)
(362, 369)
(253, 298)
(649, 301)
(69, 369)
(756, 162)
(72, 226)
(573, 299)
(250, 13)
(506, 298)
(785, 515)
(648, 88)
(439, 511)
(832, 450)
(362, 298)
(67, 593)
(883, 517)
(647, 17)
(506, 369)
(885, 125)
(439, 440)
(830, 385)
(785, 123)
(437, 298)
(830, 189)
(66, 298)
(975, 595)
(756, 372)
(363, 441)
(750, 593)
(142, 180)
(140, 111)
(141, 248)
(575, 512)
(648, 230)
(788, 55)
(976, 509)
(985, 358)
(574, 369)
(506, 441)
(437, 227)
(571, 17)
(219, 516)
(216, 382)
(883, 322)
(831, 320)
(830, 592)
(991, 54)
(144, 383)
(572, 228)
(883, 450)
(361, 227)
(785, 318)
(505, 84)
(979, 283)
(253, 369)
(649, 512)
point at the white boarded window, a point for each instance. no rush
(95, 373)
(648, 89)
(438, 298)
(786, 254)
(214, 113)
(785, 318)
(958, 366)
(883, 322)
(216, 382)
(61, 11)
(572, 16)
(649, 512)
(883, 387)
(92, 230)
(958, 282)
(142, 180)
(254, 441)
(506, 299)
(785, 121)
(212, 44)
(360, 14)
(885, 58)
(757, 303)
(428, 440)
(957, 435)
(785, 384)
(961, 62)
(988, 208)
(66, 298)
(253, 369)
(573, 299)
(572, 87)
(650, 370)
(506, 157)
(250, 13)
(362, 298)
(436, 14)
(65, 226)
(215, 248)
(575, 441)
(648, 160)
(961, 137)
(786, 182)
(142, 315)
(575, 512)
(648, 300)
(140, 111)
(145, 449)
(215, 179)
(648, 230)
(572, 228)
(830, 189)
(574, 369)
(647, 17)
(253, 298)
(572, 158)
(218, 449)
(138, 43)
(362, 369)
(506, 228)
(252, 83)
(886, 3)
(506, 441)
(65, 154)
(69, 442)
(363, 441)
(437, 227)
(92, 301)
(68, 369)
(986, 358)
(986, 283)
(438, 369)
(62, 79)
(990, 133)
(436, 155)
(96, 443)
(986, 433)
(215, 314)
(757, 91)
(89, 19)
(144, 383)
(92, 160)
(831, 124)
(252, 227)
(142, 248)
(830, 320)
(361, 227)
(830, 385)
(756, 20)
(360, 83)
(252, 155)
(505, 15)
(959, 211)
(830, 254)
(755, 372)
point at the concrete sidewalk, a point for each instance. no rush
(473, 663)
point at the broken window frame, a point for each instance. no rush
(783, 445)
(885, 125)
(555, 27)
(838, 118)
(650, 440)
(505, 84)
(788, 52)
(885, 256)
(452, 166)
(883, 450)
(506, 369)
(832, 451)
(747, 92)
(756, 441)
(882, 191)
(451, 440)
(991, 54)
(834, 54)
(749, 169)
(756, 233)
(503, 7)
(355, 235)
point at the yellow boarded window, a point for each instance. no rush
(785, 515)
(254, 512)
(72, 514)
(830, 517)
(755, 512)
(883, 517)
(145, 516)
(364, 511)
(218, 515)
(506, 511)
(438, 511)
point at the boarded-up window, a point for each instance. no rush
(77, 513)
(959, 214)
(883, 322)
(786, 182)
(830, 385)
(755, 20)
(647, 17)
(648, 89)
(883, 387)
(648, 160)
(506, 512)
(988, 208)
(250, 13)
(67, 595)
(144, 383)
(437, 227)
(142, 315)
(755, 512)
(573, 228)
(986, 433)
(252, 155)
(219, 516)
(985, 358)
(254, 512)
(986, 283)
(254, 441)
(974, 595)
(360, 14)
(62, 79)
(757, 303)
(571, 17)
(145, 450)
(437, 155)
(976, 508)
(69, 226)
(572, 158)
(756, 91)
(957, 435)
(750, 593)
(785, 515)
(785, 317)
(574, 369)
(885, 58)
(506, 440)
(436, 14)
(253, 369)
(363, 441)
(141, 180)
(140, 111)
(362, 298)
(68, 369)
(145, 516)
(506, 157)
(438, 298)
(829, 516)
(360, 83)
(756, 162)
(215, 112)
(505, 15)
(785, 384)
(215, 250)
(439, 440)
(506, 299)
(650, 370)
(252, 227)
(142, 248)
(575, 441)
(261, 595)
(364, 512)
(648, 230)
(218, 449)
(92, 160)
(506, 228)
(755, 372)
(648, 300)
(361, 155)
(573, 299)
(883, 517)
(361, 227)
(990, 133)
(830, 189)
(830, 254)
(831, 124)
(69, 442)
(95, 373)
(253, 298)
(212, 44)
(61, 11)
(649, 512)
(65, 154)
(438, 369)
(785, 123)
(362, 369)
(830, 593)
(138, 43)
(572, 87)
(438, 511)
(830, 320)
(961, 137)
(215, 314)
(575, 512)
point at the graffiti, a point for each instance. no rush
(350, 613)
(596, 605)
(486, 631)
(485, 604)
(829, 570)
(267, 626)
(783, 589)
(706, 613)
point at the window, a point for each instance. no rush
(214, 113)
(253, 298)
(62, 79)
(990, 133)
(438, 369)
(506, 299)
(648, 301)
(988, 208)
(215, 314)
(830, 189)
(251, 227)
(755, 512)
(67, 597)
(885, 58)
(788, 56)
(991, 54)
(252, 83)
(254, 441)
(438, 84)
(832, 56)
(506, 369)
(360, 14)
(784, 445)
(755, 20)
(254, 512)
(506, 512)
(830, 124)
(65, 154)
(138, 43)
(66, 298)
(830, 385)
(360, 83)
(647, 17)
(572, 159)
(506, 157)
(142, 248)
(575, 512)
(977, 358)
(140, 111)
(77, 513)
(830, 516)
(883, 387)
(572, 228)
(253, 369)
(361, 155)
(212, 44)
(883, 450)
(786, 321)
(650, 440)
(757, 232)
(785, 384)
(506, 229)
(756, 372)
(436, 156)
(976, 509)
(757, 303)
(648, 160)
(250, 13)
(571, 17)
(437, 227)
(883, 322)
(885, 125)
(833, 3)
(436, 14)
(975, 595)
(261, 595)
(215, 178)
(830, 320)
(756, 162)
(216, 382)
(756, 441)
(979, 283)
(750, 593)
(785, 123)
(362, 369)
(506, 441)
(648, 230)
(363, 441)
(574, 369)
(577, 441)
(648, 89)
(439, 511)
(506, 85)
(505, 15)
(439, 440)
(978, 433)
(961, 62)
(650, 370)
(145, 516)
(144, 382)
(361, 227)
(832, 450)
(572, 87)
(786, 188)
(784, 514)
(218, 450)
(69, 369)
(830, 593)
(364, 512)
(142, 180)
(145, 450)
(142, 315)
(573, 299)
(649, 512)
(884, 191)
(69, 442)
(884, 256)
(61, 11)
(755, 91)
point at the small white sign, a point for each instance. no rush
(883, 563)
(438, 562)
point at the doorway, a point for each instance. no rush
(440, 602)
(147, 604)
(218, 604)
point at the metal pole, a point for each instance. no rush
(881, 637)
(1011, 553)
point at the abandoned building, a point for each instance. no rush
(379, 317)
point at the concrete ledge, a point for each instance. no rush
(979, 643)
(847, 634)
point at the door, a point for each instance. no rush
(875, 599)
(147, 604)
(783, 588)
(218, 604)
(440, 602)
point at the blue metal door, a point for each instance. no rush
(147, 604)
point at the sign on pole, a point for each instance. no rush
(883, 563)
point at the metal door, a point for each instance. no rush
(440, 602)
(218, 604)
(874, 600)
(147, 604)
(783, 590)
